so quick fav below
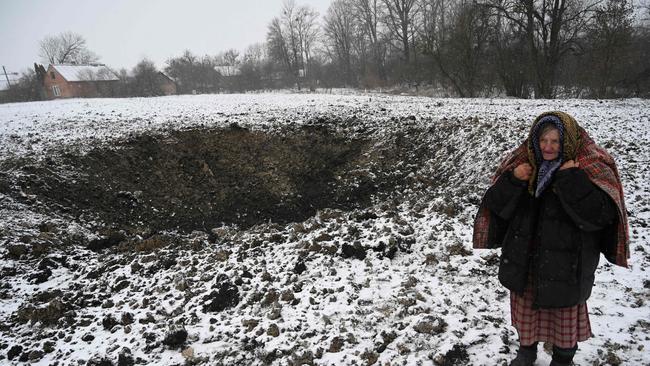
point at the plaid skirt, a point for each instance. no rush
(563, 327)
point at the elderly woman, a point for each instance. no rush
(555, 204)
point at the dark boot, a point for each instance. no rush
(526, 356)
(563, 356)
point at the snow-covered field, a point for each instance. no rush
(322, 291)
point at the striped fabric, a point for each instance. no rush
(563, 327)
(601, 170)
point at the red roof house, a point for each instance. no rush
(79, 81)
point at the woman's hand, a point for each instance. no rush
(570, 164)
(523, 171)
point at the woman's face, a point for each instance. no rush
(549, 143)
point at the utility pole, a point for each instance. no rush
(7, 75)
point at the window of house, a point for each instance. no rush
(52, 74)
(56, 90)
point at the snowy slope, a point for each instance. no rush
(300, 298)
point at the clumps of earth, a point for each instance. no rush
(222, 230)
(329, 242)
(198, 179)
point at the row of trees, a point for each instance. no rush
(191, 73)
(522, 48)
(467, 48)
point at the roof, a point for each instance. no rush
(85, 72)
(165, 76)
(228, 70)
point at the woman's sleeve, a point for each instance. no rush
(587, 205)
(503, 196)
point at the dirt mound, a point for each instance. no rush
(202, 178)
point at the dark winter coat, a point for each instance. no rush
(555, 239)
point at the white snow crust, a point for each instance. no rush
(355, 300)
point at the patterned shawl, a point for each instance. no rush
(592, 159)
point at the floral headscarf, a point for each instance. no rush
(546, 168)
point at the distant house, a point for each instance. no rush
(79, 81)
(167, 85)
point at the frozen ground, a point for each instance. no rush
(391, 281)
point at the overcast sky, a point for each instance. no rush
(122, 32)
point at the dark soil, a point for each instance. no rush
(455, 357)
(225, 296)
(202, 178)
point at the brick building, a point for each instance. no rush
(79, 81)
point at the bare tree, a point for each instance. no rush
(291, 37)
(146, 79)
(66, 48)
(340, 31)
(464, 54)
(278, 45)
(639, 80)
(369, 14)
(182, 69)
(27, 88)
(307, 30)
(123, 87)
(289, 20)
(400, 23)
(608, 42)
(252, 67)
(255, 53)
(552, 29)
(431, 26)
(512, 59)
(193, 74)
(229, 57)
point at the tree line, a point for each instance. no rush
(465, 48)
(518, 48)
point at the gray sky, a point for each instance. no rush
(122, 32)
